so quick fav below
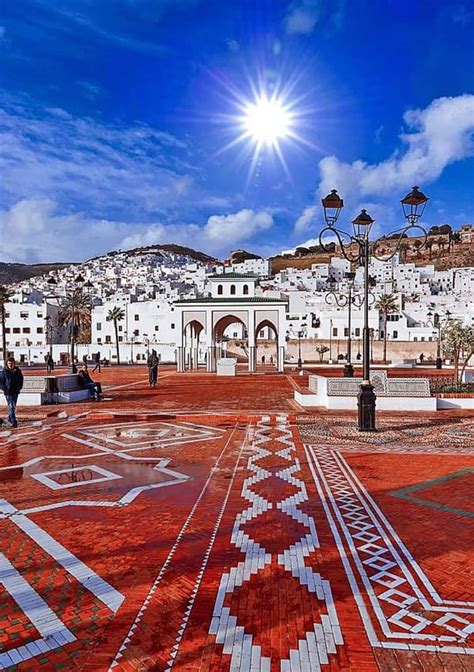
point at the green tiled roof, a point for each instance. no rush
(242, 299)
(233, 276)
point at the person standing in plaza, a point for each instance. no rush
(49, 363)
(152, 364)
(96, 362)
(11, 383)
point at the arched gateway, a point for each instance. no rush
(201, 322)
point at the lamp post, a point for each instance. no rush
(435, 321)
(358, 249)
(78, 285)
(301, 333)
(342, 299)
(49, 334)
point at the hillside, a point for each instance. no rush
(439, 251)
(11, 273)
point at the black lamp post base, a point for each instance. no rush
(348, 371)
(439, 363)
(73, 368)
(366, 408)
(300, 362)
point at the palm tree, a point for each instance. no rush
(386, 304)
(116, 315)
(5, 296)
(75, 312)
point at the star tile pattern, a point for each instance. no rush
(253, 541)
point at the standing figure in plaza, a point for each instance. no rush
(421, 358)
(96, 360)
(152, 364)
(263, 359)
(49, 363)
(11, 382)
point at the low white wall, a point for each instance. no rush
(29, 399)
(466, 403)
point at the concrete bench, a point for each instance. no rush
(393, 394)
(43, 390)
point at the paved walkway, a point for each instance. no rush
(234, 538)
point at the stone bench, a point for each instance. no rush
(393, 394)
(42, 390)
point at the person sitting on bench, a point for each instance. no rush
(86, 382)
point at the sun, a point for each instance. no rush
(267, 120)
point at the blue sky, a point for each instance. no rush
(115, 115)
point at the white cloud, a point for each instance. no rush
(118, 171)
(231, 229)
(218, 236)
(302, 17)
(437, 136)
(33, 231)
(307, 219)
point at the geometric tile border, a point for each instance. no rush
(399, 606)
(318, 644)
(406, 493)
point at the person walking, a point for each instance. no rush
(11, 383)
(152, 364)
(49, 363)
(96, 360)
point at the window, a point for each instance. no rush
(422, 338)
(136, 317)
(7, 330)
(415, 338)
(172, 325)
(346, 331)
(16, 330)
(334, 331)
(395, 334)
(120, 339)
(157, 328)
(246, 289)
(262, 333)
(235, 334)
(108, 339)
(24, 315)
(136, 332)
(220, 289)
(39, 330)
(99, 340)
(357, 331)
(232, 289)
(39, 314)
(99, 326)
(120, 328)
(26, 330)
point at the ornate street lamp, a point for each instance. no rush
(358, 249)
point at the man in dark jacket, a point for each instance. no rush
(11, 382)
(153, 362)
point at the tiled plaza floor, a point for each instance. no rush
(205, 525)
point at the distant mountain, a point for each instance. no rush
(11, 273)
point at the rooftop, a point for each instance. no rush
(233, 299)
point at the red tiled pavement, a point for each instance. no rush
(202, 526)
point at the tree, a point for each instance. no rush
(458, 345)
(321, 350)
(386, 304)
(116, 315)
(5, 296)
(76, 313)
